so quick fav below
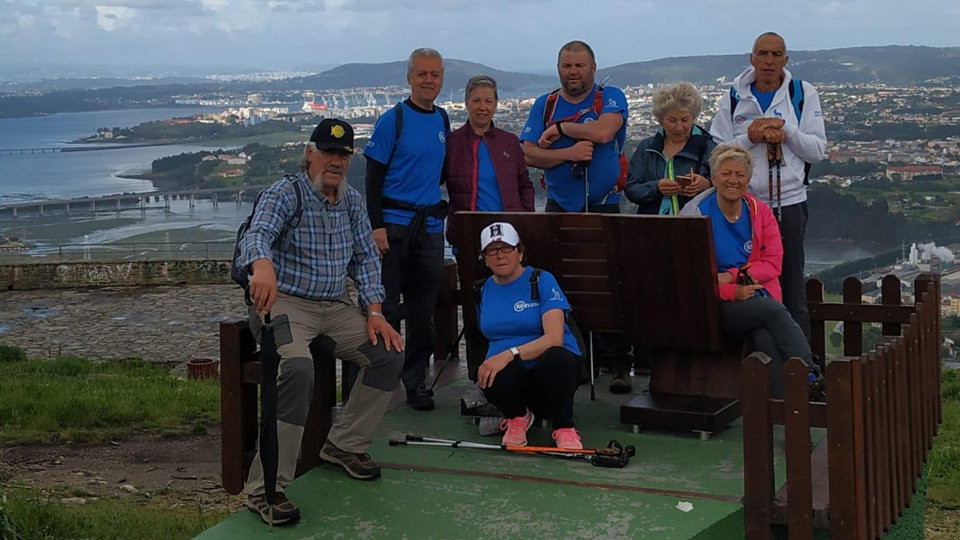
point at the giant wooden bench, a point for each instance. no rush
(651, 278)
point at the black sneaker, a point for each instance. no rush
(621, 383)
(281, 512)
(359, 466)
(420, 398)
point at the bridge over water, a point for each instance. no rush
(126, 201)
(89, 147)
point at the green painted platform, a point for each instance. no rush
(464, 493)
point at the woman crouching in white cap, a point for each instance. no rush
(533, 361)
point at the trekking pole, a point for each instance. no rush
(453, 350)
(593, 385)
(773, 162)
(586, 187)
(613, 455)
(778, 155)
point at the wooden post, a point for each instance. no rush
(796, 414)
(818, 342)
(758, 487)
(231, 419)
(852, 331)
(844, 420)
(890, 296)
(870, 433)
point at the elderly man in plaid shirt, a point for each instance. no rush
(299, 277)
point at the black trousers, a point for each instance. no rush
(793, 228)
(412, 268)
(610, 349)
(547, 389)
(766, 325)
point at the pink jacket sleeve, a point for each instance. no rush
(766, 260)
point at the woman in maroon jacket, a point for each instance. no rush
(484, 168)
(485, 171)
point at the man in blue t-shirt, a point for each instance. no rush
(404, 162)
(579, 151)
(577, 145)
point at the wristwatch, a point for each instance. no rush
(516, 353)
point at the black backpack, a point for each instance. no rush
(241, 274)
(535, 297)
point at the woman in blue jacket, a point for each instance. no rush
(672, 166)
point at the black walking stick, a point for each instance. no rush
(450, 354)
(269, 363)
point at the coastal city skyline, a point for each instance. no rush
(149, 36)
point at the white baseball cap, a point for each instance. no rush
(499, 232)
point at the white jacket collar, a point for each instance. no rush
(749, 76)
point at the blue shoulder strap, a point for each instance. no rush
(796, 97)
(734, 99)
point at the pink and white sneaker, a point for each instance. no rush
(516, 428)
(567, 438)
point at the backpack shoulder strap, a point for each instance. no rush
(535, 285)
(734, 100)
(478, 292)
(550, 106)
(598, 101)
(298, 213)
(398, 129)
(796, 97)
(446, 120)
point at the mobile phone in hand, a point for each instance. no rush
(684, 180)
(744, 277)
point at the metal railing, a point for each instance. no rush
(137, 251)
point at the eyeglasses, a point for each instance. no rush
(491, 251)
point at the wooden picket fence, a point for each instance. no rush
(883, 410)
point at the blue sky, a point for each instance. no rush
(235, 35)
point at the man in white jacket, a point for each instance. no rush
(779, 120)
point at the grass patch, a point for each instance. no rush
(77, 400)
(945, 455)
(28, 514)
(943, 495)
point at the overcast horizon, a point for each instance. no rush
(130, 37)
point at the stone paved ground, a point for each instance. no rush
(159, 324)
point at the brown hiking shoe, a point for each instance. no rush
(359, 466)
(281, 512)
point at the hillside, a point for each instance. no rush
(894, 65)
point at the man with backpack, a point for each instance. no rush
(576, 135)
(779, 120)
(308, 233)
(404, 163)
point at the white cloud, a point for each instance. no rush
(110, 17)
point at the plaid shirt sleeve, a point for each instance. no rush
(276, 203)
(364, 266)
